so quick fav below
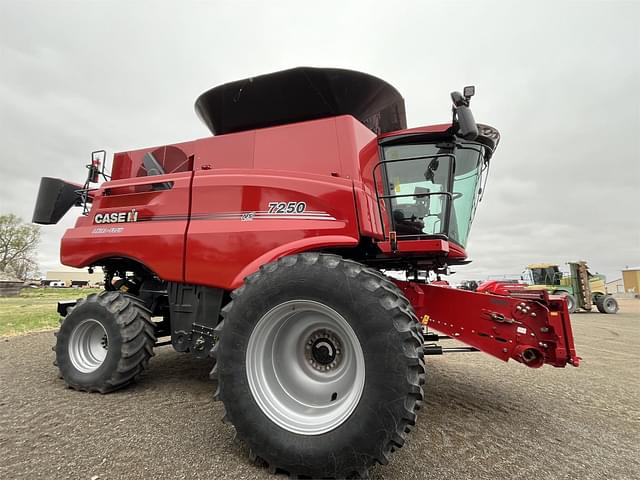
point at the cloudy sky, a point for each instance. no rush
(560, 80)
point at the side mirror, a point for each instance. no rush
(462, 115)
(96, 168)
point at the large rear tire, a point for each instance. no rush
(572, 305)
(607, 304)
(104, 342)
(320, 366)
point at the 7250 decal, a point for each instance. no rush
(287, 207)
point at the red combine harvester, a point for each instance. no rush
(264, 247)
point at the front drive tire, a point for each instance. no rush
(572, 305)
(104, 342)
(320, 366)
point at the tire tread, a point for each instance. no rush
(404, 321)
(137, 331)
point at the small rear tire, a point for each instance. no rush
(104, 342)
(607, 304)
(320, 366)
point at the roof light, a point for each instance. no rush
(469, 91)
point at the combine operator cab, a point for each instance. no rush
(542, 274)
(432, 189)
(429, 182)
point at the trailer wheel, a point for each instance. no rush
(104, 342)
(606, 304)
(319, 366)
(571, 300)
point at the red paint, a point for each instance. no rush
(499, 287)
(325, 163)
(456, 252)
(236, 248)
(157, 244)
(440, 128)
(527, 324)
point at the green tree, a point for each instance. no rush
(18, 246)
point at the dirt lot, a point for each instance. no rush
(483, 419)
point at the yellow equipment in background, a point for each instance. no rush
(582, 288)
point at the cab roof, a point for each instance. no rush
(542, 265)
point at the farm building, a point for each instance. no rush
(74, 278)
(631, 279)
(9, 285)
(615, 286)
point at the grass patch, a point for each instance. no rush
(35, 309)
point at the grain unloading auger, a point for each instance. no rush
(264, 246)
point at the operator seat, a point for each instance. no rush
(405, 226)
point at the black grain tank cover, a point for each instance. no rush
(300, 94)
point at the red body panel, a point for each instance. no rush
(440, 128)
(213, 226)
(416, 246)
(221, 251)
(156, 240)
(499, 287)
(190, 233)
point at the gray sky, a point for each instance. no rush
(560, 80)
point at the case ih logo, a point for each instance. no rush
(116, 217)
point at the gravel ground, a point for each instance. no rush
(483, 419)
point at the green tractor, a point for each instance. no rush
(581, 288)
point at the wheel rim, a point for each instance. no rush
(305, 367)
(88, 346)
(609, 304)
(570, 301)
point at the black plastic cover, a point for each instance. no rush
(55, 198)
(301, 94)
(64, 306)
(195, 311)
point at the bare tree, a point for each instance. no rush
(18, 246)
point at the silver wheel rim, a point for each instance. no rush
(88, 346)
(305, 367)
(609, 304)
(569, 300)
